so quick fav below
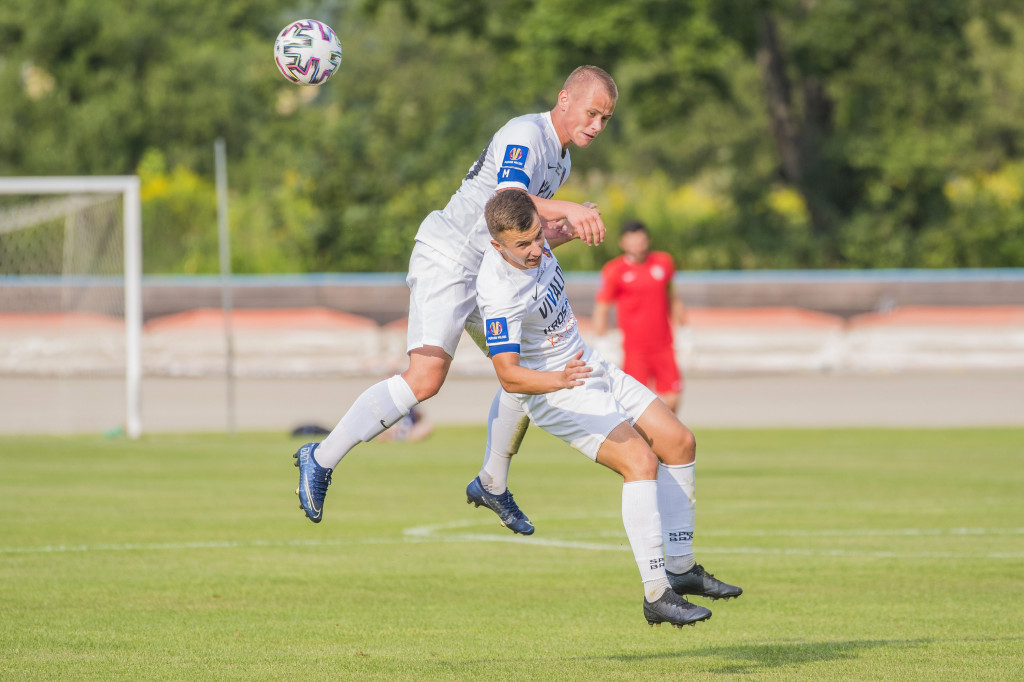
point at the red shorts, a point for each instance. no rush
(657, 365)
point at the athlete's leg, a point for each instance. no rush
(671, 441)
(506, 424)
(490, 487)
(625, 452)
(591, 419)
(441, 297)
(384, 403)
(676, 449)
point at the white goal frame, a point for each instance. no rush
(128, 187)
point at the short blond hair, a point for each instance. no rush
(511, 210)
(587, 74)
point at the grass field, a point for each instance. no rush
(865, 554)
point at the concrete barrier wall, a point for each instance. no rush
(316, 341)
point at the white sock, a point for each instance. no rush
(377, 408)
(653, 589)
(643, 528)
(677, 503)
(506, 426)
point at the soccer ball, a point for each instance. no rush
(307, 52)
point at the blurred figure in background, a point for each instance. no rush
(411, 428)
(639, 284)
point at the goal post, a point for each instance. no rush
(128, 188)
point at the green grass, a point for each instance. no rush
(865, 554)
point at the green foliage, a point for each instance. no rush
(857, 156)
(177, 208)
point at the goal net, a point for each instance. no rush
(70, 301)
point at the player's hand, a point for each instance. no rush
(575, 371)
(585, 221)
(557, 230)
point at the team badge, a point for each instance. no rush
(497, 330)
(515, 156)
(546, 251)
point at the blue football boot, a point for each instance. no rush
(503, 505)
(313, 482)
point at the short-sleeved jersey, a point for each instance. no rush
(525, 154)
(640, 292)
(527, 311)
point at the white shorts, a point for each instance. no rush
(442, 296)
(584, 416)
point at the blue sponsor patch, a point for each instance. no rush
(515, 156)
(497, 330)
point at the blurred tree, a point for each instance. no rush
(869, 106)
(117, 81)
(764, 133)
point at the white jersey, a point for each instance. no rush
(525, 154)
(527, 311)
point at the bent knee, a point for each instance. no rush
(424, 385)
(688, 444)
(641, 468)
(683, 448)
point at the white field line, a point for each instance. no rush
(441, 533)
(210, 544)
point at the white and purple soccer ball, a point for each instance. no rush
(307, 52)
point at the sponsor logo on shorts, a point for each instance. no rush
(497, 330)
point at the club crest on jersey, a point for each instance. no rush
(546, 251)
(497, 330)
(515, 156)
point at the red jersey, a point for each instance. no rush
(640, 294)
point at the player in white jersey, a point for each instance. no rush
(570, 391)
(530, 153)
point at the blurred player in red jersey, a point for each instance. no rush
(639, 284)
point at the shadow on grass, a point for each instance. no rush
(746, 659)
(753, 658)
